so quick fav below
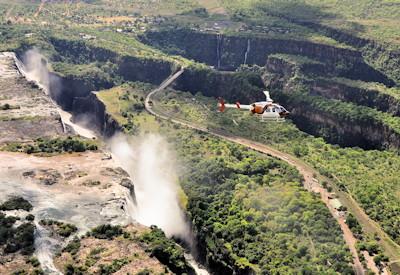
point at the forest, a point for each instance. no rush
(249, 211)
(368, 175)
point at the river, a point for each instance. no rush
(46, 246)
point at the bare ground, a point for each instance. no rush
(95, 252)
(26, 112)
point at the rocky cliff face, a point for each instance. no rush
(366, 97)
(144, 70)
(127, 68)
(337, 130)
(26, 112)
(227, 52)
(74, 92)
(384, 58)
(289, 69)
(332, 126)
(91, 109)
(130, 68)
(65, 89)
(231, 86)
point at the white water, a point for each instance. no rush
(199, 269)
(130, 206)
(246, 54)
(45, 248)
(78, 128)
(35, 70)
(149, 164)
(149, 161)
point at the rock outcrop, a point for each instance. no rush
(94, 112)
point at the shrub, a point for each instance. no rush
(106, 231)
(30, 217)
(33, 261)
(74, 270)
(16, 203)
(166, 251)
(144, 272)
(353, 224)
(57, 145)
(66, 230)
(21, 238)
(62, 229)
(73, 246)
(113, 267)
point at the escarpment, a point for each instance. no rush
(72, 89)
(339, 127)
(228, 52)
(91, 109)
(84, 68)
(340, 113)
(335, 89)
(384, 57)
(242, 86)
(332, 73)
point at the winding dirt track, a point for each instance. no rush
(310, 183)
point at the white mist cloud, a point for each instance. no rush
(35, 66)
(152, 167)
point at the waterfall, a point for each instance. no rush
(36, 72)
(45, 247)
(219, 50)
(198, 269)
(246, 54)
(154, 180)
(130, 205)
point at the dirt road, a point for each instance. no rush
(310, 182)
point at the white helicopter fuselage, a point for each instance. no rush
(266, 109)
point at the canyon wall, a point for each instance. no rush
(231, 86)
(307, 101)
(93, 111)
(360, 96)
(228, 51)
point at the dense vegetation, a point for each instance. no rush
(106, 231)
(143, 241)
(63, 229)
(368, 175)
(52, 146)
(166, 251)
(372, 19)
(86, 45)
(13, 239)
(73, 246)
(250, 212)
(345, 111)
(16, 203)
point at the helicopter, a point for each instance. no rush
(267, 110)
